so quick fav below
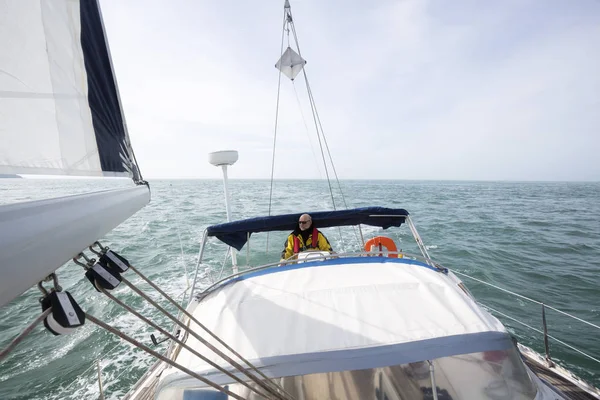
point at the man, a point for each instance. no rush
(304, 237)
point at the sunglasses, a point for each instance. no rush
(303, 222)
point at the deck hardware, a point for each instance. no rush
(546, 344)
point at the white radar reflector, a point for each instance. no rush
(290, 64)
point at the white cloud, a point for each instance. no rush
(405, 89)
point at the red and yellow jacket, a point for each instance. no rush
(294, 243)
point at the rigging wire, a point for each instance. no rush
(276, 121)
(321, 132)
(199, 338)
(100, 380)
(268, 385)
(312, 108)
(288, 24)
(329, 152)
(187, 278)
(227, 253)
(539, 331)
(24, 334)
(179, 342)
(306, 129)
(191, 332)
(318, 119)
(525, 298)
(327, 146)
(161, 357)
(63, 390)
(198, 262)
(316, 112)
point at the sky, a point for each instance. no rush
(406, 89)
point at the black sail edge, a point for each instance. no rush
(114, 146)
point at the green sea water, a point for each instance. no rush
(538, 239)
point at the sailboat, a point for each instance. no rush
(376, 323)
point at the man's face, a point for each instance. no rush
(304, 223)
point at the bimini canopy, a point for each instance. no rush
(235, 234)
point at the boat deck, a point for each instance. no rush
(567, 388)
(145, 389)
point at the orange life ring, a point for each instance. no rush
(382, 241)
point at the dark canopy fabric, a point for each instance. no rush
(235, 233)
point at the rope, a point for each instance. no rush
(224, 262)
(130, 148)
(316, 113)
(187, 278)
(24, 334)
(276, 121)
(528, 299)
(195, 335)
(181, 343)
(538, 331)
(326, 145)
(87, 369)
(312, 150)
(100, 380)
(319, 128)
(200, 253)
(116, 378)
(314, 155)
(187, 329)
(160, 356)
(312, 108)
(287, 23)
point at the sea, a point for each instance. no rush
(537, 239)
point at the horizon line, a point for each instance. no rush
(62, 177)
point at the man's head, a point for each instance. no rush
(304, 222)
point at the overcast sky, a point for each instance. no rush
(482, 90)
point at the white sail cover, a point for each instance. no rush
(343, 314)
(60, 112)
(290, 64)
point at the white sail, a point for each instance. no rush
(290, 64)
(60, 113)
